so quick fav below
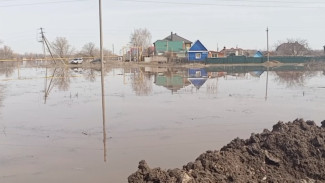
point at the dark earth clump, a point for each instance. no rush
(291, 152)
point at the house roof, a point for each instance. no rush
(256, 73)
(198, 46)
(175, 37)
(197, 82)
(258, 54)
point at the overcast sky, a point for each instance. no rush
(216, 23)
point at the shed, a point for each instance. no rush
(258, 54)
(198, 52)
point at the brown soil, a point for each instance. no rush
(291, 152)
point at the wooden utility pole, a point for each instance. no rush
(102, 76)
(267, 42)
(268, 59)
(43, 42)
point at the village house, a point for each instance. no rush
(172, 46)
(232, 52)
(197, 52)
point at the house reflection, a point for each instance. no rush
(142, 79)
(197, 77)
(256, 74)
(172, 79)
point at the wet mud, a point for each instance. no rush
(291, 152)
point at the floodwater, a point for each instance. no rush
(167, 116)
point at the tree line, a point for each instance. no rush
(60, 48)
(140, 43)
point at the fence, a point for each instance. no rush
(252, 60)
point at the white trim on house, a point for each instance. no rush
(198, 51)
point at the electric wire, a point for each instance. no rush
(41, 3)
(229, 5)
(259, 4)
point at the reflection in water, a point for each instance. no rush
(1, 94)
(62, 78)
(197, 77)
(267, 83)
(90, 75)
(59, 77)
(44, 136)
(256, 74)
(103, 112)
(172, 79)
(177, 79)
(8, 68)
(293, 78)
(141, 82)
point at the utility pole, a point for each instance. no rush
(102, 77)
(267, 42)
(43, 42)
(268, 59)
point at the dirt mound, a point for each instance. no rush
(291, 152)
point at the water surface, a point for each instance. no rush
(167, 116)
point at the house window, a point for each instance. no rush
(197, 73)
(197, 55)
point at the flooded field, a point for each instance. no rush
(51, 127)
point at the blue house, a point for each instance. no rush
(197, 52)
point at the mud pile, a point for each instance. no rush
(291, 152)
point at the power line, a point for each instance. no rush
(232, 5)
(195, 4)
(257, 1)
(275, 1)
(41, 3)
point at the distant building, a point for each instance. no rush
(197, 52)
(232, 52)
(213, 54)
(173, 44)
(258, 54)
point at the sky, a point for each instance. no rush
(216, 23)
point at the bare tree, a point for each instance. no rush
(90, 50)
(140, 39)
(61, 47)
(6, 52)
(293, 47)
